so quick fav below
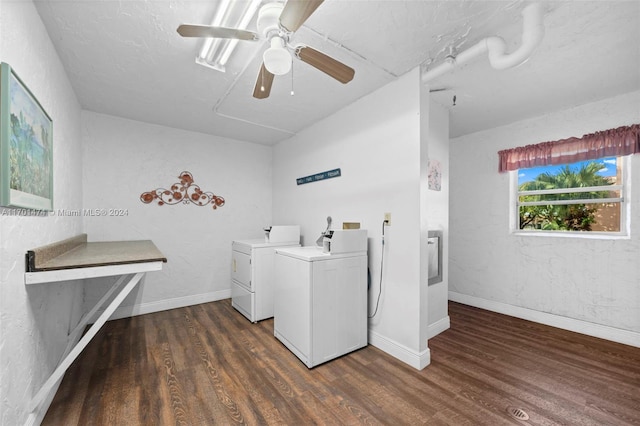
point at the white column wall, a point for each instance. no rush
(376, 144)
(436, 209)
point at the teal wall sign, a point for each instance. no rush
(319, 176)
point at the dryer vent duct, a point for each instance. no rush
(495, 47)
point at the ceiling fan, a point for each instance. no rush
(276, 23)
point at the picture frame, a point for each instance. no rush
(26, 146)
(434, 175)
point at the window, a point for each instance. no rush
(585, 196)
(569, 185)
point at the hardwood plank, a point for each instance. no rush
(201, 392)
(206, 364)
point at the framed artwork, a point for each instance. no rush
(26, 152)
(434, 175)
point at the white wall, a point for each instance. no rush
(36, 320)
(436, 208)
(124, 158)
(376, 144)
(589, 285)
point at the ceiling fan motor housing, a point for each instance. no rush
(269, 19)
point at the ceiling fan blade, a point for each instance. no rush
(188, 30)
(326, 64)
(295, 12)
(263, 84)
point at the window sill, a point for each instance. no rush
(574, 234)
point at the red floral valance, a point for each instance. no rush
(624, 140)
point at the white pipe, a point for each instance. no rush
(532, 34)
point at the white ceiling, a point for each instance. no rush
(125, 58)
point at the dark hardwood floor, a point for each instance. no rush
(206, 365)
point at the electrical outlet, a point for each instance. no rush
(387, 219)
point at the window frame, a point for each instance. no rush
(624, 200)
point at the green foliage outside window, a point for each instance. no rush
(567, 217)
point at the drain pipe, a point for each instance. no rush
(532, 34)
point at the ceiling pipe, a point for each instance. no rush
(532, 34)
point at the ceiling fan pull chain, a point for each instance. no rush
(292, 92)
(262, 79)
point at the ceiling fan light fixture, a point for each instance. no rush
(277, 59)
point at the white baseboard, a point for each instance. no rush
(579, 326)
(417, 360)
(438, 327)
(164, 305)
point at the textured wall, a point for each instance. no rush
(36, 320)
(124, 158)
(593, 280)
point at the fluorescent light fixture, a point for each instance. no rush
(215, 52)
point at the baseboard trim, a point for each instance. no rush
(438, 327)
(579, 326)
(165, 305)
(417, 360)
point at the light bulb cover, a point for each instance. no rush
(277, 59)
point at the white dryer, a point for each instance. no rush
(252, 269)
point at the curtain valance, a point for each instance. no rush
(624, 140)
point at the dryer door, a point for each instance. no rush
(241, 269)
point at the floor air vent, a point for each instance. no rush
(517, 413)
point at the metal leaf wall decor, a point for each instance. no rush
(184, 192)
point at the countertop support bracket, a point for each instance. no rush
(58, 373)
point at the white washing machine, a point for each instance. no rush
(320, 306)
(252, 269)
